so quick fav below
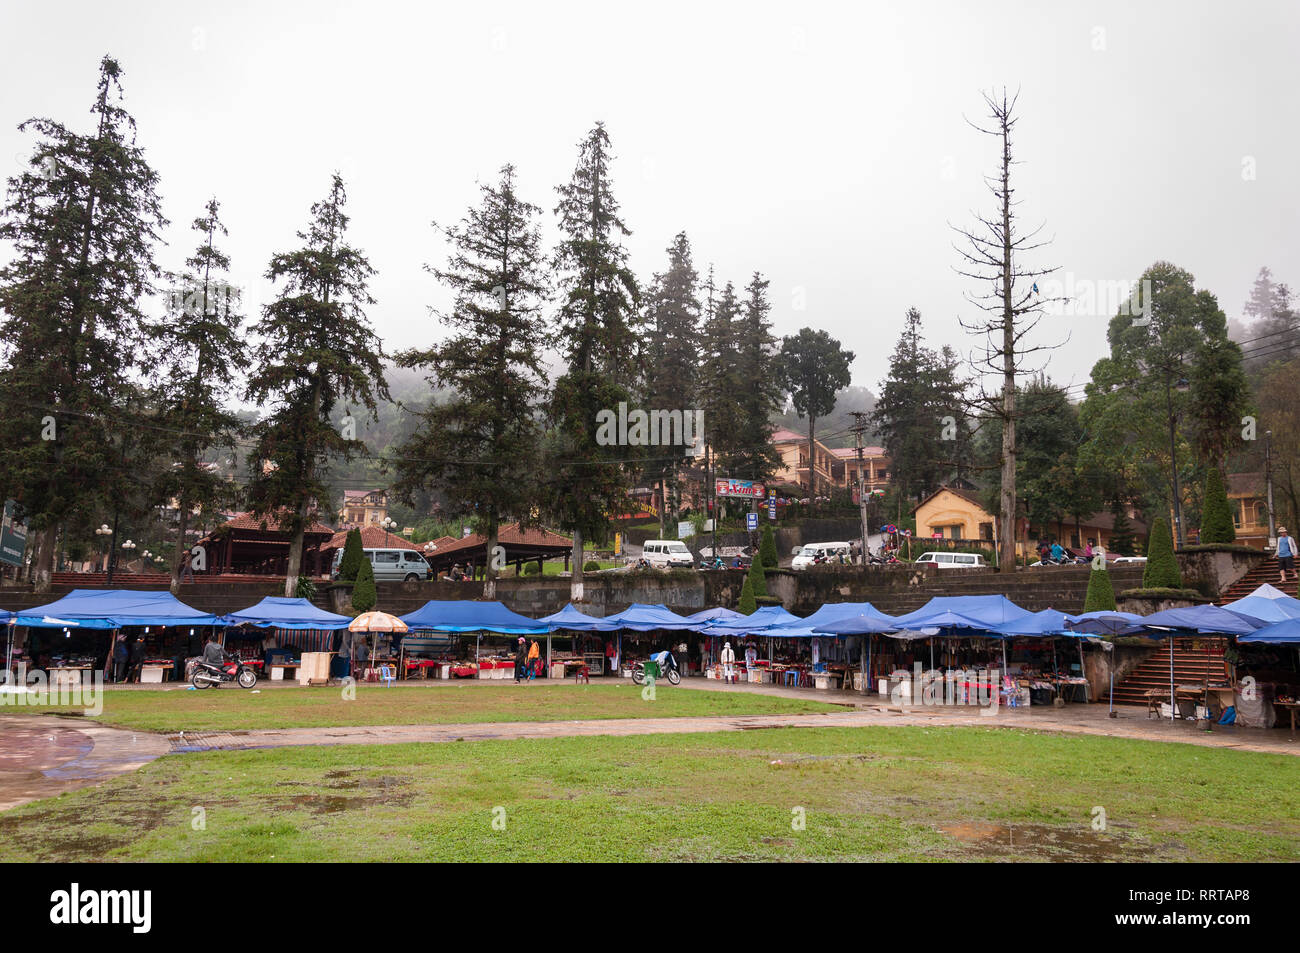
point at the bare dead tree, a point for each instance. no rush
(992, 251)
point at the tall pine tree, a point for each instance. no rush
(200, 352)
(751, 456)
(813, 367)
(598, 326)
(673, 322)
(482, 442)
(83, 219)
(316, 358)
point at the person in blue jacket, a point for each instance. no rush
(1286, 553)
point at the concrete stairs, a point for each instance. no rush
(1195, 661)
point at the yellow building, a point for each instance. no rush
(1248, 500)
(363, 508)
(952, 514)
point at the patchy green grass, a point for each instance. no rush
(233, 709)
(876, 793)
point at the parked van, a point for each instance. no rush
(667, 554)
(954, 560)
(390, 565)
(816, 553)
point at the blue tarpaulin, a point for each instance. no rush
(861, 623)
(281, 613)
(1103, 622)
(719, 614)
(639, 617)
(464, 615)
(934, 623)
(113, 609)
(989, 610)
(1207, 619)
(1279, 633)
(762, 621)
(816, 624)
(1268, 604)
(573, 620)
(1047, 622)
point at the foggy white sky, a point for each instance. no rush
(824, 146)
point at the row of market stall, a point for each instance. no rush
(849, 645)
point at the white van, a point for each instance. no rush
(954, 560)
(817, 553)
(391, 565)
(667, 554)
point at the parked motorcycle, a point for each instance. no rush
(208, 674)
(668, 669)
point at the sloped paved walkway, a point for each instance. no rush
(45, 755)
(1080, 720)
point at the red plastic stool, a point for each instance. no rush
(583, 674)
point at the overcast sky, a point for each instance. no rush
(821, 144)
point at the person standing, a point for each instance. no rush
(137, 660)
(121, 658)
(534, 654)
(751, 657)
(1286, 554)
(521, 655)
(728, 660)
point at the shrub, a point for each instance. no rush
(747, 604)
(1101, 594)
(1123, 542)
(767, 548)
(758, 577)
(1162, 570)
(531, 569)
(364, 596)
(591, 566)
(353, 557)
(1216, 515)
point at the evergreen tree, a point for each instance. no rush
(747, 605)
(364, 596)
(921, 390)
(673, 320)
(757, 577)
(767, 554)
(1162, 570)
(1101, 593)
(751, 456)
(812, 367)
(82, 220)
(1123, 541)
(1216, 514)
(353, 556)
(317, 357)
(598, 324)
(200, 351)
(492, 366)
(719, 375)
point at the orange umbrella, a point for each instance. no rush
(377, 622)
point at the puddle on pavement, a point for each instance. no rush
(1043, 842)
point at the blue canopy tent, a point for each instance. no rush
(113, 609)
(1047, 623)
(705, 616)
(467, 615)
(640, 617)
(1105, 622)
(1279, 633)
(571, 619)
(762, 619)
(277, 612)
(109, 609)
(990, 610)
(1268, 604)
(862, 619)
(1206, 619)
(927, 622)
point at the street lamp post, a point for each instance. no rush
(1182, 387)
(388, 523)
(1268, 480)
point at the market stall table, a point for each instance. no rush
(1291, 708)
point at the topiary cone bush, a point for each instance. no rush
(767, 548)
(758, 577)
(1101, 594)
(1162, 570)
(747, 605)
(1216, 517)
(353, 557)
(364, 596)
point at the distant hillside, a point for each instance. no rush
(834, 429)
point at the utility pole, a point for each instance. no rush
(1268, 479)
(859, 427)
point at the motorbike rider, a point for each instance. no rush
(213, 653)
(1058, 552)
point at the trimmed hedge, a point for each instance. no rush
(747, 605)
(1101, 594)
(1216, 515)
(353, 557)
(757, 578)
(1162, 570)
(364, 596)
(767, 548)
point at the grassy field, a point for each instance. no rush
(231, 709)
(862, 793)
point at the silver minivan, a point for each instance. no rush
(391, 565)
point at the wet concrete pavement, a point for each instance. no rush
(44, 755)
